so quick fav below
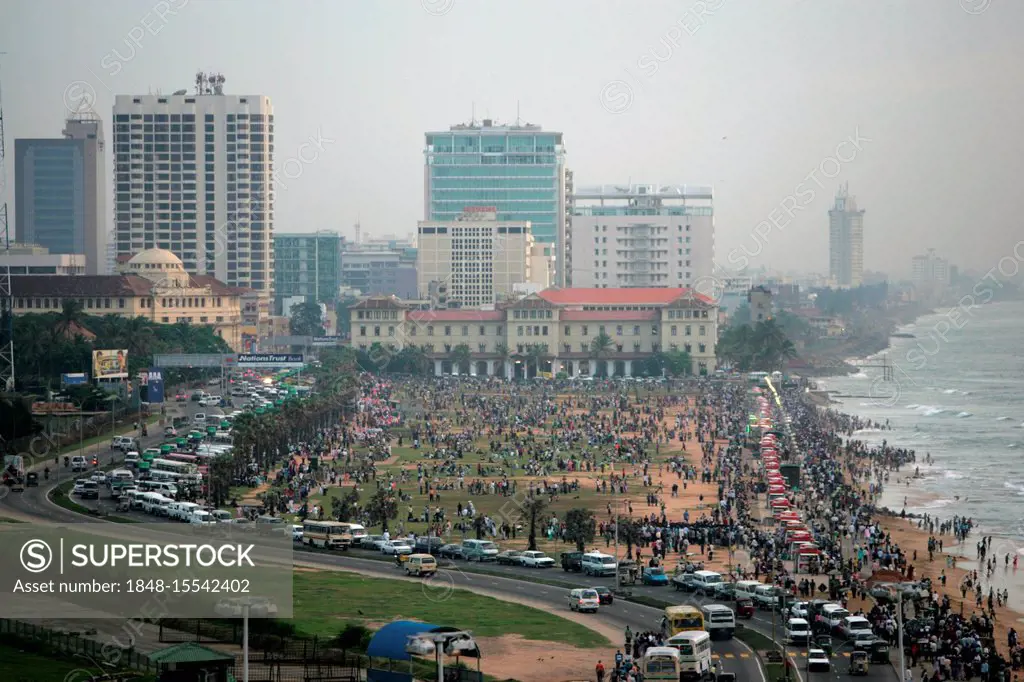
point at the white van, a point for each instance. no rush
(357, 531)
(479, 550)
(584, 599)
(705, 582)
(719, 620)
(201, 517)
(156, 504)
(745, 588)
(120, 475)
(182, 510)
(597, 563)
(765, 597)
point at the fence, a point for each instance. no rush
(73, 644)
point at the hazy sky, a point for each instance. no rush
(750, 97)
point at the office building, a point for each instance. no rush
(479, 257)
(32, 259)
(759, 299)
(61, 193)
(518, 169)
(152, 284)
(550, 332)
(845, 241)
(930, 273)
(380, 267)
(307, 265)
(642, 236)
(194, 176)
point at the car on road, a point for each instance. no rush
(510, 557)
(132, 458)
(170, 432)
(799, 610)
(818, 661)
(834, 617)
(370, 541)
(394, 547)
(855, 625)
(604, 595)
(725, 591)
(584, 599)
(451, 551)
(201, 517)
(653, 575)
(798, 631)
(79, 463)
(295, 530)
(535, 559)
(426, 545)
(572, 561)
(90, 491)
(121, 442)
(79, 486)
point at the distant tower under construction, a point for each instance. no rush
(845, 241)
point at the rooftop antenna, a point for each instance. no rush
(519, 121)
(472, 114)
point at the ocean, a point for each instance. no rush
(956, 392)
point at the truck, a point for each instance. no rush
(14, 472)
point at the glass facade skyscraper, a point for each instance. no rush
(517, 169)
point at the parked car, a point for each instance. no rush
(452, 551)
(653, 575)
(817, 661)
(428, 545)
(396, 547)
(509, 557)
(572, 561)
(535, 559)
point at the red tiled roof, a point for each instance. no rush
(457, 316)
(607, 315)
(630, 296)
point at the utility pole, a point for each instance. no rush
(6, 295)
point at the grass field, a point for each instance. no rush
(326, 601)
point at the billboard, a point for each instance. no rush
(110, 364)
(269, 360)
(151, 385)
(326, 340)
(75, 379)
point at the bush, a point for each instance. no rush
(352, 638)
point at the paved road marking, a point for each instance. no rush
(744, 655)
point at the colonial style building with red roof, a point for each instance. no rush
(152, 284)
(549, 332)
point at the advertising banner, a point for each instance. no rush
(110, 364)
(269, 360)
(75, 379)
(151, 382)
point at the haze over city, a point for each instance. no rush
(751, 98)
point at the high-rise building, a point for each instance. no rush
(930, 273)
(385, 267)
(194, 176)
(518, 169)
(61, 195)
(307, 265)
(845, 241)
(642, 236)
(479, 257)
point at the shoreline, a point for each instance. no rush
(956, 560)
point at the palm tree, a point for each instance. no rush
(70, 316)
(501, 350)
(771, 346)
(534, 508)
(460, 357)
(535, 353)
(600, 347)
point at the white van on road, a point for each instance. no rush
(598, 564)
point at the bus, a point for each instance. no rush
(160, 464)
(661, 663)
(326, 534)
(683, 618)
(694, 654)
(181, 457)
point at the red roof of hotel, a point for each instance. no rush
(457, 316)
(631, 296)
(607, 315)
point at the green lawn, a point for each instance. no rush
(23, 666)
(326, 601)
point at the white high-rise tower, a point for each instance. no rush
(846, 241)
(192, 174)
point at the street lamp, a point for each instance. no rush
(440, 644)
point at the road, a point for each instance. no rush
(508, 582)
